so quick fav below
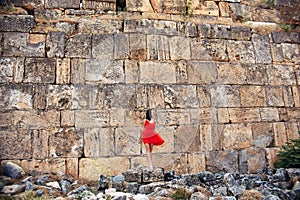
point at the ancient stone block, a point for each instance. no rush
(293, 114)
(63, 71)
(252, 159)
(262, 48)
(275, 96)
(237, 115)
(222, 161)
(131, 71)
(79, 46)
(208, 49)
(141, 97)
(62, 3)
(266, 15)
(39, 97)
(204, 8)
(78, 71)
(89, 97)
(67, 118)
(240, 11)
(127, 140)
(281, 75)
(174, 6)
(203, 94)
(40, 146)
(223, 115)
(52, 165)
(155, 175)
(205, 137)
(229, 73)
(104, 71)
(36, 45)
(255, 74)
(252, 96)
(7, 66)
(240, 33)
(288, 96)
(17, 23)
(59, 97)
(156, 96)
(171, 161)
(179, 48)
(296, 95)
(139, 6)
(173, 117)
(121, 46)
(240, 52)
(91, 118)
(157, 72)
(39, 70)
(187, 144)
(286, 37)
(99, 142)
(291, 52)
(101, 42)
(5, 119)
(104, 5)
(137, 47)
(167, 134)
(16, 97)
(202, 116)
(123, 96)
(72, 167)
(133, 175)
(292, 130)
(224, 9)
(92, 168)
(237, 136)
(158, 47)
(196, 162)
(181, 96)
(17, 144)
(14, 43)
(100, 26)
(280, 136)
(117, 117)
(225, 96)
(263, 134)
(271, 155)
(277, 54)
(202, 72)
(55, 44)
(269, 114)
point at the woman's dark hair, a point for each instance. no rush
(148, 114)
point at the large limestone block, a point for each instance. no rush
(137, 46)
(121, 46)
(67, 118)
(91, 118)
(251, 160)
(104, 71)
(179, 48)
(104, 5)
(139, 6)
(17, 23)
(230, 73)
(5, 119)
(62, 3)
(72, 167)
(91, 169)
(286, 37)
(37, 119)
(206, 137)
(181, 96)
(203, 94)
(78, 71)
(256, 74)
(262, 48)
(237, 136)
(224, 9)
(40, 96)
(59, 97)
(50, 165)
(39, 70)
(201, 116)
(269, 114)
(102, 47)
(187, 139)
(40, 146)
(208, 49)
(240, 51)
(169, 161)
(263, 134)
(63, 71)
(17, 144)
(203, 8)
(272, 156)
(240, 115)
(291, 52)
(16, 97)
(225, 96)
(252, 96)
(131, 71)
(197, 162)
(158, 47)
(79, 46)
(127, 140)
(117, 117)
(157, 72)
(202, 72)
(55, 44)
(97, 25)
(11, 69)
(173, 117)
(281, 75)
(167, 134)
(275, 96)
(174, 6)
(293, 114)
(296, 94)
(99, 142)
(156, 96)
(222, 161)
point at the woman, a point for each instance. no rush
(150, 137)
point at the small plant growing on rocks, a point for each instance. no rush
(181, 194)
(289, 156)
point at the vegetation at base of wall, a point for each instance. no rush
(289, 156)
(181, 194)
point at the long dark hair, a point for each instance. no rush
(148, 115)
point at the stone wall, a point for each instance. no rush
(76, 77)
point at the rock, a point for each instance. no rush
(54, 184)
(30, 186)
(42, 179)
(132, 175)
(233, 186)
(206, 176)
(78, 190)
(281, 175)
(13, 189)
(271, 197)
(198, 196)
(12, 170)
(157, 174)
(39, 193)
(65, 185)
(103, 183)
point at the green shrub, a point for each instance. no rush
(181, 194)
(289, 155)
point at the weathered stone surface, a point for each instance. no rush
(100, 42)
(179, 48)
(121, 46)
(269, 114)
(291, 52)
(149, 72)
(131, 71)
(104, 5)
(252, 96)
(252, 159)
(173, 117)
(277, 54)
(256, 74)
(63, 71)
(78, 71)
(100, 26)
(16, 97)
(240, 52)
(158, 47)
(127, 140)
(281, 75)
(54, 165)
(196, 162)
(183, 143)
(104, 71)
(39, 70)
(214, 49)
(62, 4)
(239, 115)
(202, 72)
(91, 168)
(275, 96)
(263, 134)
(155, 175)
(137, 47)
(204, 8)
(7, 67)
(237, 136)
(240, 11)
(40, 144)
(262, 49)
(174, 6)
(59, 97)
(280, 136)
(18, 23)
(12, 170)
(203, 94)
(79, 46)
(225, 96)
(229, 73)
(283, 37)
(55, 44)
(139, 6)
(222, 161)
(91, 118)
(224, 9)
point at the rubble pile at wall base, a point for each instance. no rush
(143, 183)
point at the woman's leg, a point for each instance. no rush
(149, 148)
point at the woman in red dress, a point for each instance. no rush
(150, 137)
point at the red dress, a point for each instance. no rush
(150, 136)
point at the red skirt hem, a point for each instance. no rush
(155, 140)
